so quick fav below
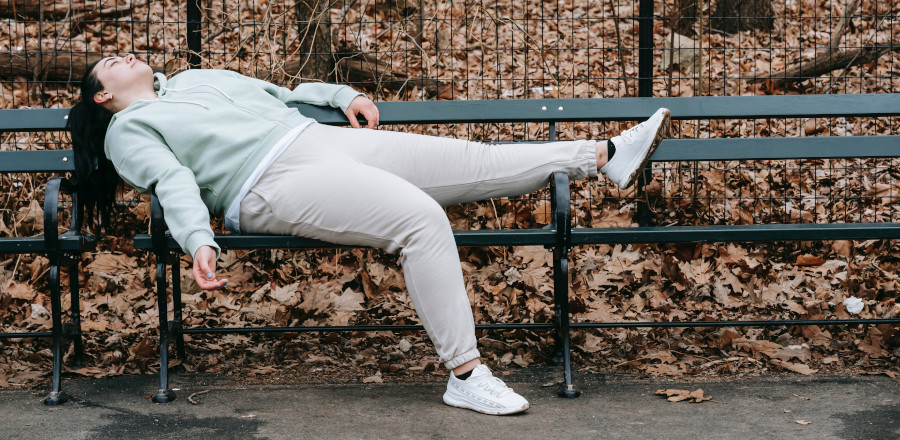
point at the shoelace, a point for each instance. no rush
(628, 135)
(495, 386)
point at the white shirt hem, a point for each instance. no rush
(233, 214)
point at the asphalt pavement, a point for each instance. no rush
(611, 407)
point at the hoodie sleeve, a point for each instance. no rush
(143, 160)
(333, 95)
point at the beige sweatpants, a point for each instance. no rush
(385, 189)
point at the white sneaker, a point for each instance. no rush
(484, 393)
(634, 148)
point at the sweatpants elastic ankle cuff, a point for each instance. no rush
(588, 156)
(463, 358)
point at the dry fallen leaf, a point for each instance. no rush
(374, 379)
(674, 395)
(802, 422)
(809, 260)
(795, 367)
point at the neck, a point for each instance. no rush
(121, 102)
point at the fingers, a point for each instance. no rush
(365, 107)
(371, 114)
(204, 269)
(205, 283)
(351, 116)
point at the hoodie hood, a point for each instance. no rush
(159, 83)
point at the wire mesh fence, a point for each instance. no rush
(419, 50)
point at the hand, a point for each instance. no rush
(205, 269)
(364, 106)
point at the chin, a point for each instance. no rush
(144, 69)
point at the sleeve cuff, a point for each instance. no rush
(198, 239)
(344, 97)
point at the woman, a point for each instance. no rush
(216, 141)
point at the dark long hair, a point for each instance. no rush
(95, 176)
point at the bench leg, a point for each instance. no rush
(74, 329)
(176, 318)
(56, 396)
(561, 293)
(164, 394)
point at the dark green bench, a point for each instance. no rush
(559, 236)
(61, 249)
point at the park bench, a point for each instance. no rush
(60, 249)
(559, 236)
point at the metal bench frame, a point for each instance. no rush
(61, 249)
(559, 237)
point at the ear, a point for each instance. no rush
(102, 97)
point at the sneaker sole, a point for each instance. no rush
(451, 400)
(657, 139)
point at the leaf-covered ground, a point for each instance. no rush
(502, 50)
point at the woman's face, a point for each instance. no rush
(122, 76)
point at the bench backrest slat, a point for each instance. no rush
(820, 147)
(622, 109)
(36, 161)
(33, 119)
(541, 110)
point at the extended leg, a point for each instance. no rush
(345, 202)
(456, 170)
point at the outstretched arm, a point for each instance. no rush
(144, 161)
(315, 93)
(351, 102)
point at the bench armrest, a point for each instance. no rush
(55, 186)
(560, 206)
(158, 227)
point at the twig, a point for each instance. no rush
(193, 397)
(842, 26)
(852, 61)
(615, 15)
(527, 39)
(632, 360)
(496, 215)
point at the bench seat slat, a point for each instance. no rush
(737, 233)
(487, 237)
(580, 236)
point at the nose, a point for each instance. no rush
(129, 58)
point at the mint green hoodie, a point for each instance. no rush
(201, 140)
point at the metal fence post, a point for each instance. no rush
(193, 33)
(645, 89)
